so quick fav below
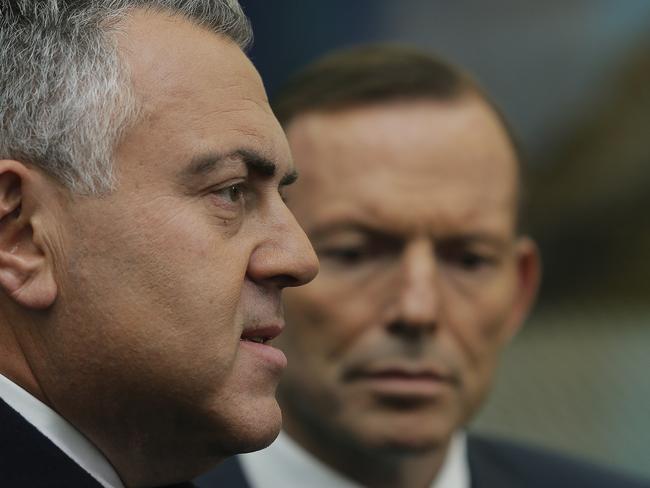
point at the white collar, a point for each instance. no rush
(285, 463)
(60, 432)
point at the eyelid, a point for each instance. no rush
(220, 199)
(222, 185)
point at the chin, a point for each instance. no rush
(260, 439)
(406, 435)
(253, 430)
(400, 443)
(413, 445)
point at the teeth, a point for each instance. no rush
(259, 340)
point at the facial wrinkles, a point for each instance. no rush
(402, 157)
(442, 349)
(206, 131)
(475, 320)
(474, 328)
(364, 339)
(396, 351)
(366, 308)
(374, 341)
(386, 201)
(232, 81)
(376, 289)
(242, 101)
(159, 214)
(375, 183)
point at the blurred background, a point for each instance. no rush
(573, 77)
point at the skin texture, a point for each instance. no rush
(125, 312)
(410, 207)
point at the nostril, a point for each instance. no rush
(412, 329)
(286, 280)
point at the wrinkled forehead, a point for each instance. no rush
(466, 131)
(417, 158)
(196, 90)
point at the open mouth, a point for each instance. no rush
(261, 335)
(257, 339)
(255, 342)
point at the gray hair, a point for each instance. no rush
(65, 95)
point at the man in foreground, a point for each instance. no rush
(410, 190)
(144, 243)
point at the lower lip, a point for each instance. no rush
(405, 386)
(269, 354)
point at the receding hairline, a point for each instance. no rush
(113, 24)
(469, 98)
(381, 74)
(132, 19)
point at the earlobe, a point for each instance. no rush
(25, 273)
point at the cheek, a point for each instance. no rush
(313, 325)
(170, 281)
(479, 322)
(326, 319)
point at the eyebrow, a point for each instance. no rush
(376, 232)
(478, 239)
(346, 226)
(254, 161)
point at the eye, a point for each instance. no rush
(231, 193)
(230, 197)
(234, 193)
(466, 259)
(472, 261)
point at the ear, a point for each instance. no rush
(528, 269)
(25, 272)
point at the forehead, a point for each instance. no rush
(440, 166)
(197, 90)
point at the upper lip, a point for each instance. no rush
(405, 371)
(263, 332)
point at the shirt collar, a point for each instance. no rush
(285, 463)
(454, 472)
(60, 432)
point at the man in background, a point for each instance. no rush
(410, 193)
(144, 242)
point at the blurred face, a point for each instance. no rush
(169, 285)
(411, 209)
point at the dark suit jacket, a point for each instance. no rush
(29, 459)
(493, 464)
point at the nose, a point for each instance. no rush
(285, 256)
(418, 296)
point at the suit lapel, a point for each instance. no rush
(28, 458)
(229, 474)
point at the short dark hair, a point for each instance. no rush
(379, 73)
(365, 75)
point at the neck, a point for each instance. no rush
(144, 448)
(14, 363)
(372, 467)
(132, 460)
